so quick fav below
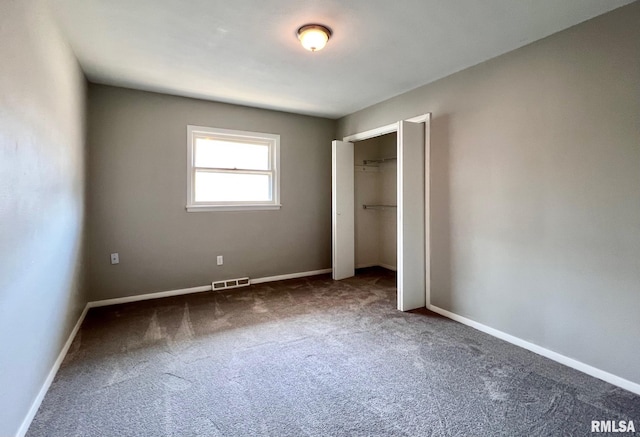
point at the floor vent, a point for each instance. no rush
(230, 283)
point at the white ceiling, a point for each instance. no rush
(246, 51)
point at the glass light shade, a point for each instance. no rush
(313, 37)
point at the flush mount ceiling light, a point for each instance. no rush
(314, 37)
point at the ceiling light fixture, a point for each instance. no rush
(314, 37)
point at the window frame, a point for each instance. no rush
(271, 140)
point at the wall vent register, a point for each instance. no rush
(230, 283)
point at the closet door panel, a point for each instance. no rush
(342, 210)
(411, 228)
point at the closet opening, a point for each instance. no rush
(381, 202)
(375, 209)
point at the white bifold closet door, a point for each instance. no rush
(342, 210)
(411, 209)
(411, 213)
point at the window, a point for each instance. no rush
(232, 170)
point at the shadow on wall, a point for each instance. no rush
(441, 271)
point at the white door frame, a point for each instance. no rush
(393, 127)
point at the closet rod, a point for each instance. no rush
(379, 206)
(365, 161)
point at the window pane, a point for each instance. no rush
(222, 187)
(215, 153)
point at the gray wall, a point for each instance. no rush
(42, 94)
(137, 197)
(536, 190)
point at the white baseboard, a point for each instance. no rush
(366, 265)
(290, 276)
(384, 266)
(148, 296)
(169, 293)
(562, 359)
(26, 423)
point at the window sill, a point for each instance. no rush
(211, 208)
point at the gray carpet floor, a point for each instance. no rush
(310, 357)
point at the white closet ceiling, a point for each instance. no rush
(246, 51)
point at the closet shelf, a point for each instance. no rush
(379, 206)
(367, 168)
(378, 161)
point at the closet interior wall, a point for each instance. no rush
(376, 184)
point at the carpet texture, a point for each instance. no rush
(310, 357)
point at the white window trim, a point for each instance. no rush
(193, 206)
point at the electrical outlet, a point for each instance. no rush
(220, 260)
(115, 258)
